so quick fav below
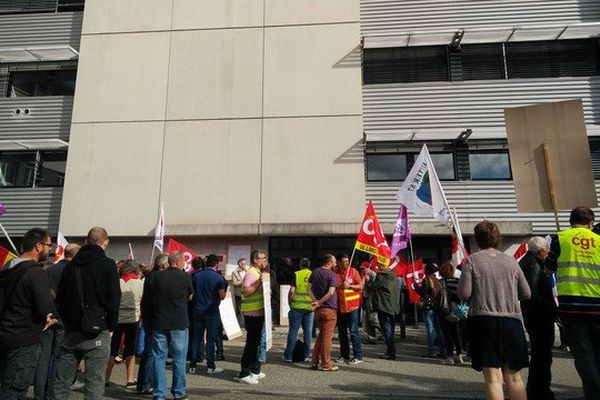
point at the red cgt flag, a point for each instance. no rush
(188, 254)
(521, 251)
(371, 239)
(411, 275)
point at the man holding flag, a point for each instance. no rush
(350, 286)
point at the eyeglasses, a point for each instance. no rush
(47, 244)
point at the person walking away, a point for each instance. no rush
(26, 309)
(450, 321)
(493, 283)
(539, 314)
(52, 338)
(575, 256)
(89, 287)
(253, 309)
(429, 290)
(171, 290)
(301, 312)
(322, 285)
(145, 379)
(132, 289)
(349, 295)
(209, 289)
(385, 289)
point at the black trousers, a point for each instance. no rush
(254, 327)
(541, 336)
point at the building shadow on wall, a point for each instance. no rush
(350, 60)
(353, 155)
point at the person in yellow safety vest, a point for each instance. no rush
(253, 309)
(300, 312)
(575, 256)
(349, 299)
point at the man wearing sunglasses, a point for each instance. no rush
(26, 308)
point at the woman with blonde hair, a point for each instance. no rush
(494, 284)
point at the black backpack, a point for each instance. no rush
(441, 304)
(298, 353)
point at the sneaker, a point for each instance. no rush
(428, 355)
(249, 380)
(307, 359)
(341, 360)
(448, 361)
(355, 361)
(185, 397)
(191, 370)
(458, 359)
(286, 361)
(78, 385)
(259, 376)
(212, 371)
(387, 357)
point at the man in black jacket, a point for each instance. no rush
(25, 312)
(539, 313)
(100, 288)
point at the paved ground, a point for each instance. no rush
(412, 377)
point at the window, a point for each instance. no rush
(405, 64)
(32, 168)
(489, 165)
(553, 59)
(42, 83)
(34, 6)
(395, 167)
(482, 61)
(17, 169)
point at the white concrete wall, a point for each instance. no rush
(243, 116)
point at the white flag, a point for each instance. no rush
(159, 231)
(130, 253)
(61, 243)
(422, 192)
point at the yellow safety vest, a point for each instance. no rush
(254, 302)
(301, 298)
(578, 272)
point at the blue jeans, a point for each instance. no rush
(349, 321)
(297, 317)
(212, 324)
(164, 340)
(17, 368)
(582, 333)
(432, 325)
(387, 324)
(145, 379)
(262, 347)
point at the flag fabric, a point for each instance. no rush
(401, 235)
(188, 254)
(61, 244)
(422, 192)
(159, 231)
(130, 253)
(5, 256)
(371, 238)
(521, 251)
(413, 274)
(459, 253)
(2, 209)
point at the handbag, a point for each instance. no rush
(93, 319)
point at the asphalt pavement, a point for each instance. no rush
(409, 377)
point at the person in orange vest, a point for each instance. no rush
(350, 286)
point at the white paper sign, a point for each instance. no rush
(284, 304)
(228, 317)
(233, 255)
(266, 279)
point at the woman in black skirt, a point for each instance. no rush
(494, 284)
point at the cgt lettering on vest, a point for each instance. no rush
(584, 243)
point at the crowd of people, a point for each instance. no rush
(87, 309)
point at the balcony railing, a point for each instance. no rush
(36, 6)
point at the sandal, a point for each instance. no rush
(334, 368)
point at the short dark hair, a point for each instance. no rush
(130, 267)
(161, 260)
(581, 216)
(487, 234)
(256, 254)
(304, 262)
(33, 237)
(198, 263)
(342, 255)
(325, 258)
(212, 260)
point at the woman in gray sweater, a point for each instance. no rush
(494, 284)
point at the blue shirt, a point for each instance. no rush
(207, 283)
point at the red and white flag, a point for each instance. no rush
(61, 243)
(130, 253)
(371, 238)
(159, 231)
(521, 251)
(413, 275)
(188, 254)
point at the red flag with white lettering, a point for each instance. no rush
(188, 254)
(521, 251)
(371, 238)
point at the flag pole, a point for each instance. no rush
(350, 266)
(9, 240)
(412, 263)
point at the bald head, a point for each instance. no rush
(98, 236)
(71, 250)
